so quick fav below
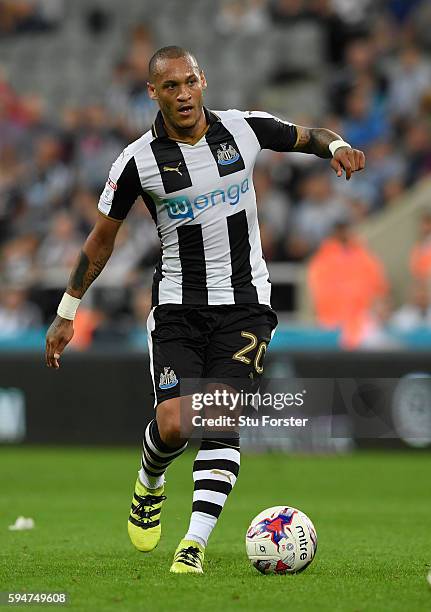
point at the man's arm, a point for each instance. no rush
(317, 141)
(89, 264)
(93, 257)
(277, 135)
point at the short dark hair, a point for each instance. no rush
(171, 52)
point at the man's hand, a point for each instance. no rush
(317, 142)
(58, 337)
(349, 160)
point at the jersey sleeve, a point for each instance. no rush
(271, 132)
(122, 188)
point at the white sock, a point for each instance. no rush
(215, 471)
(200, 527)
(151, 482)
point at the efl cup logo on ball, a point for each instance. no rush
(281, 540)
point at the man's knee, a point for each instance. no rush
(169, 423)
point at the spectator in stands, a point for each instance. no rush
(392, 190)
(410, 79)
(287, 11)
(27, 16)
(365, 121)
(403, 11)
(130, 248)
(48, 183)
(360, 70)
(86, 324)
(11, 114)
(420, 257)
(346, 282)
(34, 119)
(376, 334)
(128, 97)
(237, 17)
(11, 174)
(316, 213)
(353, 12)
(273, 209)
(295, 28)
(386, 170)
(417, 150)
(416, 313)
(84, 207)
(97, 145)
(17, 314)
(16, 261)
(62, 244)
(420, 20)
(384, 180)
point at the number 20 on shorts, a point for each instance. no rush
(241, 354)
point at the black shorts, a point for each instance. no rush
(207, 342)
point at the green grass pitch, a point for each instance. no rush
(372, 512)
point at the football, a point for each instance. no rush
(281, 540)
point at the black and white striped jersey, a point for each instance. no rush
(202, 200)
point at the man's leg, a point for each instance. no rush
(235, 357)
(161, 445)
(176, 351)
(215, 471)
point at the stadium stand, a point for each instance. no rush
(72, 94)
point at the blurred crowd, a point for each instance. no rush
(350, 291)
(29, 16)
(374, 62)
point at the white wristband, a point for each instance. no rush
(68, 307)
(337, 144)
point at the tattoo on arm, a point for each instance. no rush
(86, 271)
(78, 274)
(315, 141)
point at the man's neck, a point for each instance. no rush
(188, 135)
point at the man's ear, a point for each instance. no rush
(151, 91)
(203, 80)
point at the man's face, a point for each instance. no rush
(178, 88)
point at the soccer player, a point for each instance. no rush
(211, 314)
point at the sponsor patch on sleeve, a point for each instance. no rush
(107, 196)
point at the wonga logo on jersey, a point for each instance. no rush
(182, 207)
(179, 208)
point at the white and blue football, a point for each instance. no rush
(281, 540)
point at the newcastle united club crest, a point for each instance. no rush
(168, 379)
(227, 154)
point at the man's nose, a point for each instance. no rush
(184, 93)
